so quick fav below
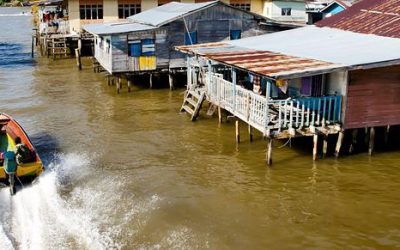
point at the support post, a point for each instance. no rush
(315, 148)
(78, 58)
(233, 75)
(267, 95)
(219, 115)
(33, 46)
(371, 141)
(354, 135)
(129, 85)
(151, 81)
(269, 151)
(250, 133)
(119, 84)
(387, 131)
(108, 80)
(325, 146)
(339, 143)
(171, 81)
(237, 125)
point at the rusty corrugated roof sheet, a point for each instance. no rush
(268, 63)
(302, 52)
(380, 18)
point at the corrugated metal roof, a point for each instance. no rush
(168, 12)
(268, 63)
(369, 17)
(302, 51)
(115, 28)
(326, 44)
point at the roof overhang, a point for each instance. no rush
(302, 52)
(103, 29)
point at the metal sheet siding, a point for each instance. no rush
(373, 98)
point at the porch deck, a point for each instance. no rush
(304, 116)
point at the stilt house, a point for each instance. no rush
(145, 41)
(343, 74)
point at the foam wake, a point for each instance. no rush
(61, 211)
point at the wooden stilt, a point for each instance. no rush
(325, 146)
(250, 133)
(315, 148)
(108, 80)
(171, 81)
(237, 125)
(119, 84)
(371, 141)
(78, 58)
(366, 138)
(151, 81)
(339, 143)
(129, 85)
(387, 131)
(269, 152)
(33, 46)
(354, 134)
(219, 114)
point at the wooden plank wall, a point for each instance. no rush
(373, 98)
(212, 24)
(119, 53)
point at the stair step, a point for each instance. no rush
(194, 94)
(191, 101)
(187, 109)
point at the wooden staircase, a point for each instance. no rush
(193, 101)
(57, 46)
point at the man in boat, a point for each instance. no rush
(22, 153)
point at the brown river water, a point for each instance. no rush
(129, 171)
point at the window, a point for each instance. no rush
(128, 9)
(243, 6)
(190, 38)
(235, 34)
(91, 11)
(286, 11)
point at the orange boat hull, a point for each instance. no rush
(10, 129)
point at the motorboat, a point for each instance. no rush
(15, 169)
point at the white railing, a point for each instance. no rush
(274, 114)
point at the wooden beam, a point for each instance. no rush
(171, 81)
(219, 115)
(269, 152)
(325, 146)
(354, 134)
(250, 128)
(237, 125)
(151, 81)
(371, 141)
(78, 58)
(119, 84)
(339, 143)
(315, 147)
(387, 132)
(129, 85)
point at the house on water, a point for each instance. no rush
(144, 43)
(82, 12)
(326, 10)
(342, 75)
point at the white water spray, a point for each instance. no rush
(60, 211)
